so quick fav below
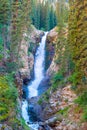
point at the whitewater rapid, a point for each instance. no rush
(39, 66)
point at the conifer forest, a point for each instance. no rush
(43, 64)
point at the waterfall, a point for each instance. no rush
(39, 66)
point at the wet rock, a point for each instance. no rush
(26, 81)
(44, 126)
(47, 127)
(34, 39)
(35, 107)
(51, 65)
(31, 63)
(51, 121)
(50, 46)
(41, 123)
(41, 128)
(0, 126)
(44, 85)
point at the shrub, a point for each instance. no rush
(84, 116)
(74, 79)
(23, 124)
(58, 77)
(57, 80)
(82, 101)
(64, 111)
(8, 96)
(40, 101)
(11, 66)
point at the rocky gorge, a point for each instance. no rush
(56, 110)
(43, 65)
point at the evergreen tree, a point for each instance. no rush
(77, 37)
(20, 24)
(4, 21)
(43, 14)
(61, 12)
(52, 18)
(47, 17)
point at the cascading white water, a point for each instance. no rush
(38, 68)
(39, 75)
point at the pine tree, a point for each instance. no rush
(4, 21)
(42, 15)
(20, 24)
(47, 17)
(61, 12)
(77, 37)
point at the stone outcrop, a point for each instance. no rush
(29, 43)
(34, 38)
(59, 100)
(24, 68)
(31, 38)
(50, 46)
(61, 113)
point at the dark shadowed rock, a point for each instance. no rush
(26, 81)
(41, 128)
(44, 85)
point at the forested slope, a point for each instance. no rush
(65, 100)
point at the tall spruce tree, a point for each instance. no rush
(4, 21)
(77, 37)
(20, 24)
(43, 14)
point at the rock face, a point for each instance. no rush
(27, 50)
(50, 46)
(59, 100)
(60, 112)
(24, 68)
(28, 46)
(50, 52)
(34, 38)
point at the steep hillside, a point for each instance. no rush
(62, 104)
(11, 83)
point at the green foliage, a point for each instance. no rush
(8, 97)
(43, 15)
(4, 11)
(64, 111)
(82, 102)
(40, 101)
(77, 38)
(84, 116)
(61, 13)
(1, 52)
(58, 77)
(58, 80)
(20, 15)
(31, 47)
(45, 97)
(11, 66)
(23, 124)
(74, 78)
(82, 99)
(4, 22)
